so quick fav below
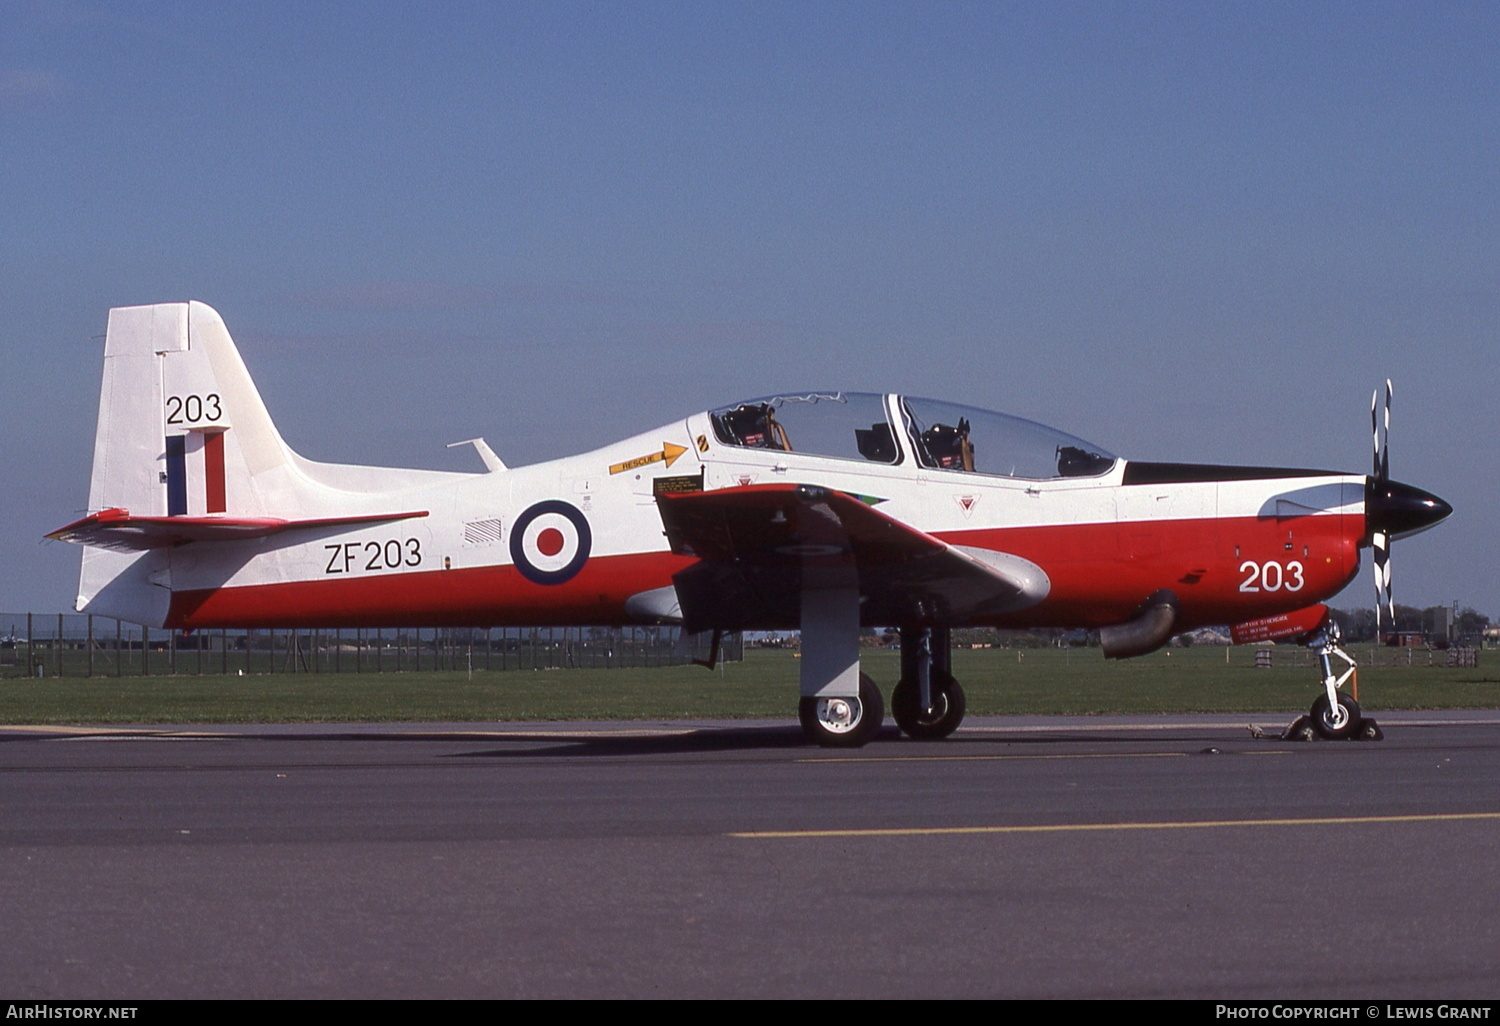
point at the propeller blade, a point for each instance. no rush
(1385, 441)
(1380, 560)
(1380, 537)
(1380, 441)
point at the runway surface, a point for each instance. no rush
(1091, 857)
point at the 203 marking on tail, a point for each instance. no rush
(827, 512)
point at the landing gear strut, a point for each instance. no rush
(1334, 716)
(928, 704)
(840, 707)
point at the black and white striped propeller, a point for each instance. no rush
(1392, 509)
(1380, 539)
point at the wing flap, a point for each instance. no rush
(759, 546)
(118, 531)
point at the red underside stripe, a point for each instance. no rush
(1100, 573)
(472, 597)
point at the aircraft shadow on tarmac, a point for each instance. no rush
(772, 738)
(662, 739)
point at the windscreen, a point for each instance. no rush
(948, 436)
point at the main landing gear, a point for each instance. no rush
(927, 704)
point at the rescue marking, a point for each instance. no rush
(669, 453)
(1063, 828)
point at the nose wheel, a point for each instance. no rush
(1336, 721)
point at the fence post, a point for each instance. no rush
(145, 651)
(30, 657)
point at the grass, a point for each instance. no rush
(997, 681)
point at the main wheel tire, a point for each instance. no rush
(1336, 725)
(843, 722)
(948, 712)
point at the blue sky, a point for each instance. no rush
(1184, 231)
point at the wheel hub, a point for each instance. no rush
(939, 710)
(1336, 716)
(838, 715)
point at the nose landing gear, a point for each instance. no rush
(1334, 716)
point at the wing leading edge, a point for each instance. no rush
(760, 546)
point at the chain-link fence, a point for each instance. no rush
(75, 645)
(1371, 655)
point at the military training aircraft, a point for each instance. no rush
(826, 512)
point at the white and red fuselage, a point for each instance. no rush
(204, 518)
(1232, 550)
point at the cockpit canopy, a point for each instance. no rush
(943, 436)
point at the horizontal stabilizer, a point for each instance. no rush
(118, 531)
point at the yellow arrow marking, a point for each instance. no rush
(669, 453)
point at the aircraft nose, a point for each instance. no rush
(1396, 509)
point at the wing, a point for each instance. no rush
(759, 546)
(117, 530)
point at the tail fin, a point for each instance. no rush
(183, 433)
(182, 430)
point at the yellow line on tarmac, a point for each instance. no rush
(1062, 828)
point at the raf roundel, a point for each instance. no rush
(550, 542)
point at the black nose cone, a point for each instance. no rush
(1397, 509)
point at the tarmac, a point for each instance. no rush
(1092, 857)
